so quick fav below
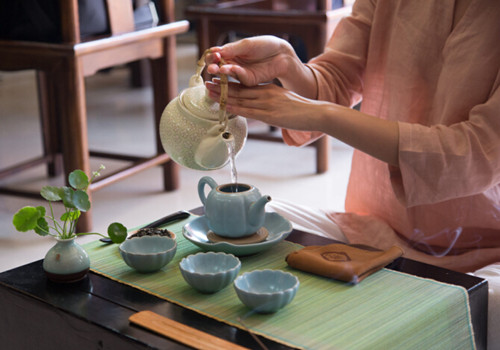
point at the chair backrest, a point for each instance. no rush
(282, 5)
(120, 15)
(304, 5)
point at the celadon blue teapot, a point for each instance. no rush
(232, 210)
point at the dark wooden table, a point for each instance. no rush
(93, 313)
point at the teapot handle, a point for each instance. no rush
(196, 80)
(205, 180)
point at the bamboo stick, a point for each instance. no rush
(180, 332)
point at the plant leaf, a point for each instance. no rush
(78, 179)
(26, 219)
(41, 210)
(117, 232)
(71, 215)
(67, 197)
(43, 227)
(81, 200)
(51, 193)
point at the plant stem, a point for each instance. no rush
(73, 224)
(57, 227)
(90, 233)
(65, 225)
(94, 175)
(50, 227)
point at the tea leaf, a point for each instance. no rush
(26, 219)
(117, 232)
(78, 179)
(51, 193)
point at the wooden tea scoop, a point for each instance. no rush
(180, 332)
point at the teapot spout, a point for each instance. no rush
(227, 137)
(256, 212)
(213, 151)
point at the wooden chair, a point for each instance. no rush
(61, 69)
(311, 21)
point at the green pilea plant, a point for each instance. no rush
(75, 200)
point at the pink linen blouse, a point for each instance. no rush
(442, 204)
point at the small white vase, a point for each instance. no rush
(66, 261)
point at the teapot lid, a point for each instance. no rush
(196, 100)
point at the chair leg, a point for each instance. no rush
(140, 75)
(322, 146)
(73, 124)
(50, 132)
(164, 78)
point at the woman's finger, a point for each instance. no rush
(235, 90)
(213, 56)
(243, 75)
(213, 69)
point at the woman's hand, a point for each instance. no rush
(270, 104)
(254, 60)
(261, 59)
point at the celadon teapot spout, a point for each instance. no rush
(196, 132)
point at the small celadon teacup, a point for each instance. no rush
(266, 291)
(148, 253)
(209, 272)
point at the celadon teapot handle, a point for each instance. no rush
(205, 180)
(197, 80)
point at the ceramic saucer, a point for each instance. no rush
(277, 226)
(257, 237)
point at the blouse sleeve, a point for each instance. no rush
(438, 163)
(339, 70)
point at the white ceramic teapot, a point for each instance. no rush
(196, 131)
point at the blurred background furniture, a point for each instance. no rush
(63, 64)
(306, 24)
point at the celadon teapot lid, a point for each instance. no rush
(197, 102)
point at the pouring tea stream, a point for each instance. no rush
(197, 132)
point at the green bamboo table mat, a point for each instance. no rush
(387, 310)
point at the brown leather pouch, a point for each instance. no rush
(341, 261)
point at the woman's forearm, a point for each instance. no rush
(376, 137)
(299, 78)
